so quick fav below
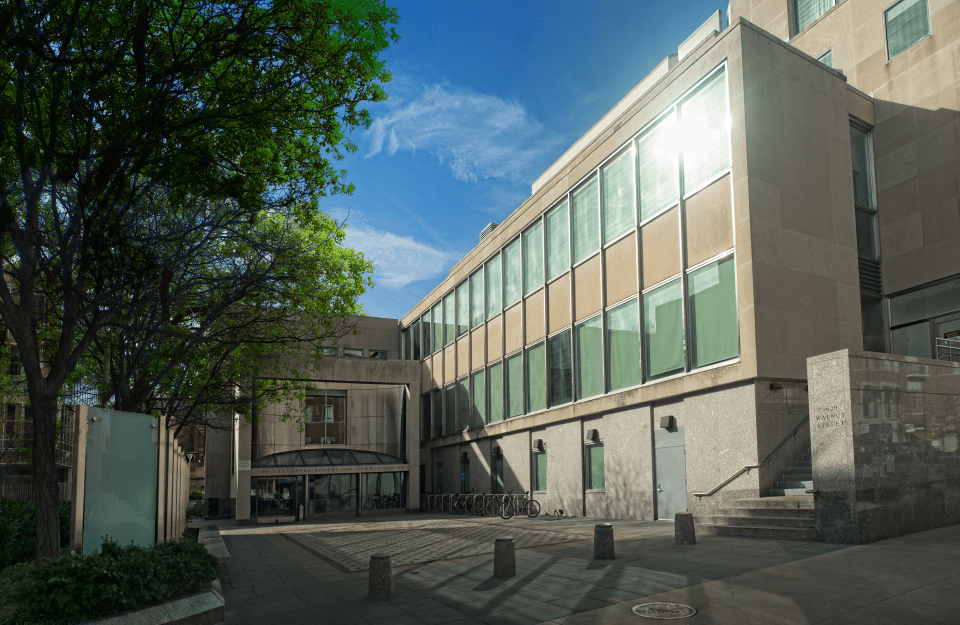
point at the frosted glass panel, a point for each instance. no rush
(659, 174)
(120, 488)
(589, 358)
(463, 308)
(558, 241)
(493, 287)
(619, 214)
(713, 312)
(623, 345)
(536, 378)
(663, 330)
(533, 258)
(476, 298)
(495, 382)
(705, 128)
(514, 386)
(512, 267)
(586, 221)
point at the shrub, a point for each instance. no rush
(74, 588)
(18, 530)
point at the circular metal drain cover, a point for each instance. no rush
(663, 611)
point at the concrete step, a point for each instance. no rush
(805, 463)
(778, 533)
(757, 521)
(796, 472)
(783, 492)
(789, 513)
(805, 484)
(802, 500)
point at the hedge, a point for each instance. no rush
(18, 530)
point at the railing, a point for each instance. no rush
(24, 492)
(948, 349)
(747, 467)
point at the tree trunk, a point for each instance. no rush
(45, 491)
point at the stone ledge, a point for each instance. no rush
(203, 608)
(210, 538)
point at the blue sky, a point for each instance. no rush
(485, 97)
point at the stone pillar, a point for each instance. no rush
(684, 532)
(381, 578)
(504, 558)
(603, 542)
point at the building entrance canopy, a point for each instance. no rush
(325, 457)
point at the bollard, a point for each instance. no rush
(603, 542)
(683, 529)
(381, 578)
(504, 558)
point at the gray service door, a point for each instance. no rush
(671, 473)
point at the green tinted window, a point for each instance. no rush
(623, 345)
(540, 471)
(619, 214)
(659, 167)
(495, 382)
(589, 354)
(512, 273)
(663, 330)
(536, 378)
(586, 221)
(705, 127)
(476, 298)
(450, 409)
(561, 369)
(515, 385)
(463, 308)
(479, 396)
(533, 258)
(558, 241)
(463, 404)
(713, 313)
(449, 309)
(437, 326)
(595, 467)
(493, 287)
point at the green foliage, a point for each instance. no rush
(18, 530)
(75, 588)
(198, 510)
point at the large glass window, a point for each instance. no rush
(561, 369)
(533, 258)
(495, 382)
(862, 173)
(498, 475)
(479, 396)
(512, 273)
(913, 340)
(705, 128)
(619, 214)
(331, 493)
(806, 12)
(867, 235)
(586, 221)
(663, 330)
(463, 308)
(383, 490)
(438, 326)
(713, 313)
(427, 333)
(539, 471)
(449, 310)
(595, 467)
(493, 287)
(536, 378)
(558, 241)
(623, 345)
(659, 172)
(515, 385)
(589, 354)
(437, 413)
(932, 301)
(325, 418)
(450, 409)
(463, 403)
(476, 298)
(908, 21)
(415, 340)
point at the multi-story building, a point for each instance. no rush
(636, 333)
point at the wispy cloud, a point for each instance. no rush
(478, 136)
(397, 260)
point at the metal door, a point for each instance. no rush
(671, 473)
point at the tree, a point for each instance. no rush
(247, 299)
(107, 105)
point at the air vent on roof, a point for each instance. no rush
(490, 228)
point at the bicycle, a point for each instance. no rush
(511, 506)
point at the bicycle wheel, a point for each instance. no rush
(460, 506)
(532, 508)
(507, 510)
(492, 508)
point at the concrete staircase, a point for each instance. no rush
(788, 512)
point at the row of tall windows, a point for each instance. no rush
(905, 22)
(637, 184)
(593, 470)
(600, 354)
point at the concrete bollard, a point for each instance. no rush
(504, 557)
(683, 529)
(381, 578)
(603, 542)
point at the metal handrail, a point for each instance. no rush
(747, 467)
(948, 349)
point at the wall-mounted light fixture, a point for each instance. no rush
(497, 452)
(776, 386)
(593, 436)
(464, 457)
(538, 444)
(667, 422)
